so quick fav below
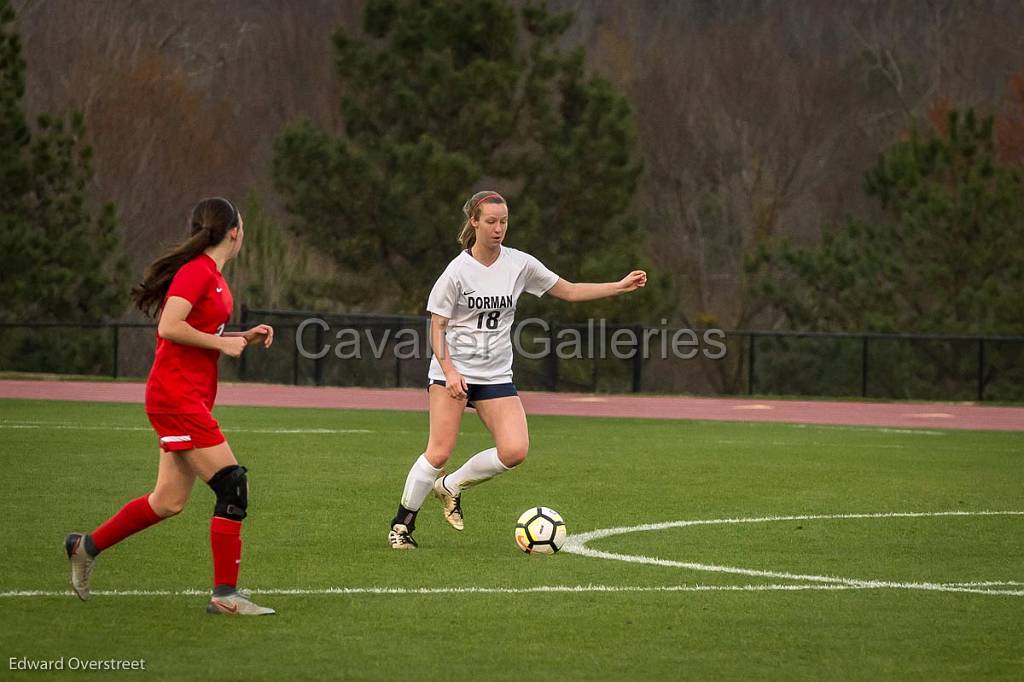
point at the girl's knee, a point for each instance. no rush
(438, 454)
(515, 454)
(166, 505)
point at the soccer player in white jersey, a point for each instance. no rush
(472, 307)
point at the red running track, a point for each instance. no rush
(895, 415)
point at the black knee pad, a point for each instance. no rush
(231, 487)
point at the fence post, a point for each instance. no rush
(553, 360)
(751, 355)
(638, 360)
(318, 364)
(295, 356)
(115, 329)
(864, 367)
(981, 370)
(241, 360)
(398, 367)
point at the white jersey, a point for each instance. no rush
(480, 304)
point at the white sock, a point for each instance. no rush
(418, 483)
(480, 467)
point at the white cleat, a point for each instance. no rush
(452, 503)
(81, 564)
(400, 538)
(237, 603)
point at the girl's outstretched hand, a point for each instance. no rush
(632, 281)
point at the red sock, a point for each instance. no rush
(133, 517)
(226, 543)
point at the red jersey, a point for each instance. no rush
(183, 379)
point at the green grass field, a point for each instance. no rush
(318, 519)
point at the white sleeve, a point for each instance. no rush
(538, 278)
(444, 295)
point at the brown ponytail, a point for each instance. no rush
(209, 223)
(471, 209)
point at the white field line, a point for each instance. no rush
(314, 591)
(988, 583)
(301, 591)
(71, 426)
(577, 544)
(823, 444)
(877, 429)
(327, 431)
(842, 427)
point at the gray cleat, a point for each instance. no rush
(81, 564)
(238, 603)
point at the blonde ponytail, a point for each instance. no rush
(471, 209)
(468, 235)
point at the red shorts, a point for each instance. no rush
(179, 432)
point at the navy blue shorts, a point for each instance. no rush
(482, 391)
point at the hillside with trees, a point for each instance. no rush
(753, 118)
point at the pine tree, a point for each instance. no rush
(444, 98)
(61, 260)
(946, 255)
(14, 133)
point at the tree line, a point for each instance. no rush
(443, 98)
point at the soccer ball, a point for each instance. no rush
(540, 530)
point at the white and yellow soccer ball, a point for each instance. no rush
(540, 530)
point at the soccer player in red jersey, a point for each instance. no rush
(192, 302)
